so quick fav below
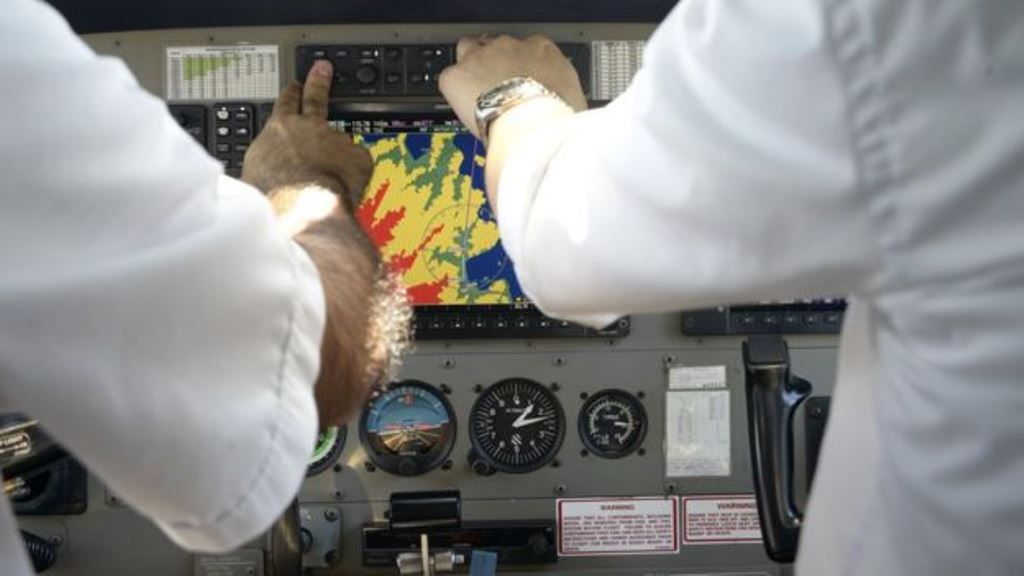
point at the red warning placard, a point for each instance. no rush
(720, 520)
(614, 526)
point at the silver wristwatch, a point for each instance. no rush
(503, 97)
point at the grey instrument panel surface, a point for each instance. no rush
(111, 539)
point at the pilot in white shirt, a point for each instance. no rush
(155, 316)
(790, 149)
(764, 150)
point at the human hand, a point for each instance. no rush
(297, 147)
(482, 64)
(314, 177)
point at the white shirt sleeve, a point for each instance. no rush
(723, 174)
(151, 317)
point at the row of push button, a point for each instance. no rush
(787, 320)
(484, 323)
(233, 132)
(385, 70)
(518, 324)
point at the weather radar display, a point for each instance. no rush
(426, 210)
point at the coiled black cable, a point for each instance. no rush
(42, 552)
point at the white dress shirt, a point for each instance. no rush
(151, 316)
(812, 147)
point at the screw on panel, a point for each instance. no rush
(558, 361)
(332, 558)
(446, 389)
(447, 465)
(584, 453)
(623, 323)
(448, 363)
(112, 499)
(369, 466)
(250, 571)
(209, 39)
(668, 359)
(670, 488)
(57, 541)
(555, 387)
(584, 395)
(555, 463)
(560, 489)
(338, 468)
(331, 515)
(641, 452)
(478, 388)
(338, 495)
(640, 394)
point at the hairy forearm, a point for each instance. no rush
(349, 268)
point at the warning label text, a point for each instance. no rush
(599, 527)
(720, 520)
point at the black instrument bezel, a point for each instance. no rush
(323, 464)
(423, 463)
(479, 451)
(584, 415)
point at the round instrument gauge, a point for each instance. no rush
(409, 429)
(612, 423)
(516, 426)
(329, 444)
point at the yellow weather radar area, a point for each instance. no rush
(427, 211)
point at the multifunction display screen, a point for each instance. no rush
(426, 210)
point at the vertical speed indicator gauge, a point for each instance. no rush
(409, 429)
(612, 423)
(515, 426)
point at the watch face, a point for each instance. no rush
(497, 100)
(500, 94)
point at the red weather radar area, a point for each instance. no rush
(426, 210)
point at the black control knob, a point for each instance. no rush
(407, 467)
(479, 466)
(367, 74)
(332, 557)
(307, 541)
(537, 543)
